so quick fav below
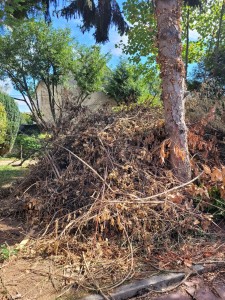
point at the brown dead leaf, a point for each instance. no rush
(222, 192)
(176, 198)
(207, 253)
(180, 153)
(163, 153)
(188, 262)
(196, 222)
(223, 175)
(206, 222)
(206, 169)
(216, 175)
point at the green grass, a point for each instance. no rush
(6, 158)
(8, 174)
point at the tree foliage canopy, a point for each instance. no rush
(89, 69)
(35, 52)
(99, 15)
(126, 85)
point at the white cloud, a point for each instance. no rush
(6, 86)
(194, 35)
(114, 39)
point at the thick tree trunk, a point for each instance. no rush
(168, 15)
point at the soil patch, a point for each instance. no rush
(29, 280)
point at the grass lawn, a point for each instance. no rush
(9, 173)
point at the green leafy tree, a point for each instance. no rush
(125, 84)
(15, 10)
(141, 46)
(208, 21)
(35, 52)
(13, 122)
(89, 70)
(211, 28)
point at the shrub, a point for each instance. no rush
(13, 122)
(3, 124)
(125, 84)
(26, 146)
(26, 118)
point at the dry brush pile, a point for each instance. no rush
(103, 195)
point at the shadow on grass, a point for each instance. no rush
(10, 229)
(8, 174)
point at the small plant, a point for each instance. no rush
(217, 207)
(6, 252)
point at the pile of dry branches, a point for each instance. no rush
(102, 196)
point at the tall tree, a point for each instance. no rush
(35, 52)
(168, 49)
(172, 71)
(89, 70)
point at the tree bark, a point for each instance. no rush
(168, 16)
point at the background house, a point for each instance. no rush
(93, 102)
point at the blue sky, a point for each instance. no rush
(88, 40)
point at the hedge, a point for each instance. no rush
(13, 122)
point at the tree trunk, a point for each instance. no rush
(219, 33)
(168, 15)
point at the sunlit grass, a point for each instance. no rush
(8, 174)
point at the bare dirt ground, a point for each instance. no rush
(25, 277)
(21, 276)
(6, 162)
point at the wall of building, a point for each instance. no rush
(93, 102)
